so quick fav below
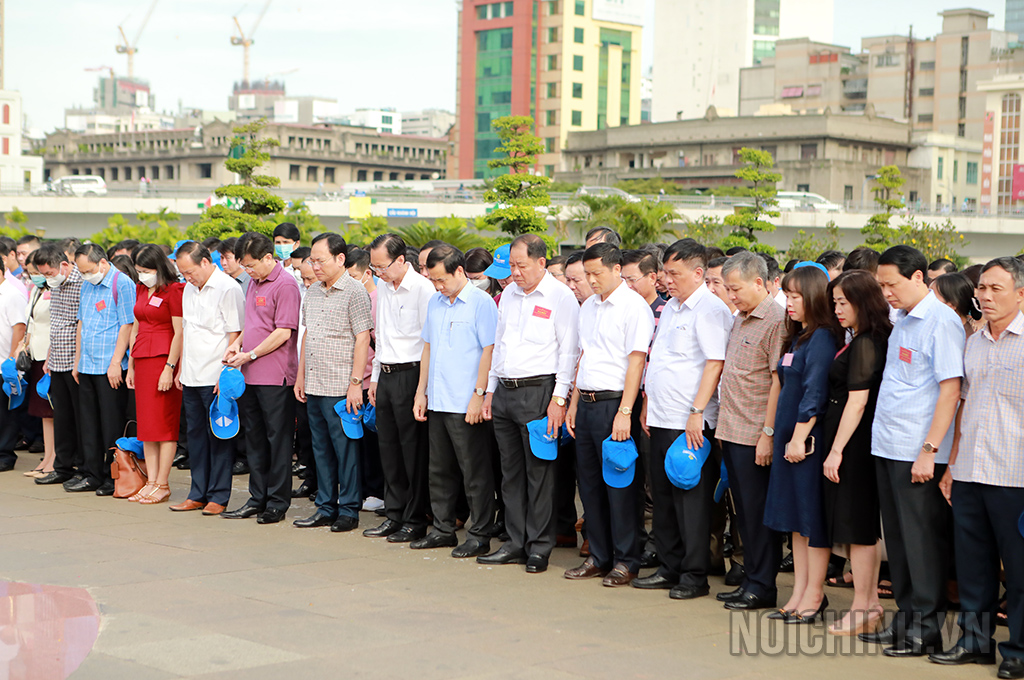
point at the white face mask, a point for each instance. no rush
(55, 281)
(147, 280)
(482, 284)
(93, 277)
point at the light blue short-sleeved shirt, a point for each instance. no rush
(457, 333)
(926, 347)
(102, 319)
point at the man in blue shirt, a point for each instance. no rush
(458, 341)
(105, 316)
(911, 440)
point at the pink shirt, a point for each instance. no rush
(271, 304)
(16, 282)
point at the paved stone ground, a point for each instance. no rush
(187, 596)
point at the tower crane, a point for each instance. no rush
(245, 39)
(130, 48)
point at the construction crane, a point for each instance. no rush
(245, 40)
(130, 48)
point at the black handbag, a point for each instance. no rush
(23, 362)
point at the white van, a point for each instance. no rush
(802, 200)
(80, 185)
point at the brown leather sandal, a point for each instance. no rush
(142, 493)
(160, 494)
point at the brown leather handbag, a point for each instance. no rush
(128, 472)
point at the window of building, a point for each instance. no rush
(128, 174)
(550, 116)
(205, 171)
(577, 90)
(481, 11)
(961, 130)
(847, 193)
(926, 66)
(806, 188)
(7, 114)
(581, 8)
(378, 175)
(555, 7)
(763, 49)
(113, 174)
(483, 122)
(293, 173)
(328, 175)
(552, 90)
(154, 172)
(312, 174)
(553, 35)
(549, 170)
(506, 40)
(386, 120)
(962, 108)
(939, 167)
(142, 172)
(169, 172)
(360, 175)
(924, 118)
(956, 169)
(101, 172)
(912, 197)
(965, 49)
(508, 9)
(771, 150)
(552, 62)
(577, 62)
(393, 176)
(808, 151)
(883, 60)
(577, 118)
(926, 92)
(577, 35)
(972, 173)
(550, 144)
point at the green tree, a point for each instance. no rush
(251, 198)
(299, 214)
(452, 230)
(748, 220)
(808, 246)
(643, 222)
(650, 187)
(589, 211)
(517, 193)
(159, 227)
(933, 240)
(879, 234)
(705, 230)
(15, 224)
(365, 230)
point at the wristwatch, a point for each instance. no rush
(626, 410)
(356, 381)
(479, 391)
(253, 356)
(696, 411)
(929, 447)
(770, 431)
(560, 401)
(170, 365)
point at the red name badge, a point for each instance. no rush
(101, 305)
(542, 313)
(155, 302)
(906, 354)
(261, 301)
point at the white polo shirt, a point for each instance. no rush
(208, 315)
(12, 312)
(611, 330)
(401, 314)
(690, 333)
(536, 334)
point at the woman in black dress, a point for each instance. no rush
(850, 493)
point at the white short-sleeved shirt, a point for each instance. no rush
(12, 312)
(690, 333)
(208, 315)
(610, 330)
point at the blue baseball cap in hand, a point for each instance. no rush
(370, 417)
(43, 387)
(351, 423)
(542, 446)
(683, 464)
(723, 483)
(618, 462)
(500, 268)
(14, 384)
(224, 409)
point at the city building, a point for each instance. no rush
(119, 105)
(569, 64)
(701, 45)
(255, 100)
(831, 154)
(1014, 17)
(427, 123)
(318, 157)
(382, 120)
(1002, 177)
(305, 110)
(17, 171)
(953, 163)
(192, 118)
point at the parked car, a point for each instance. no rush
(80, 185)
(606, 191)
(802, 200)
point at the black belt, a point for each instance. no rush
(513, 383)
(604, 395)
(398, 368)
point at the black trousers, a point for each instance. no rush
(915, 522)
(527, 482)
(404, 450)
(66, 444)
(8, 435)
(268, 417)
(210, 458)
(565, 489)
(103, 413)
(643, 471)
(459, 458)
(682, 517)
(304, 440)
(611, 514)
(762, 547)
(985, 527)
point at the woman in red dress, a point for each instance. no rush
(155, 349)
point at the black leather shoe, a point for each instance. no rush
(957, 656)
(730, 595)
(52, 478)
(181, 462)
(79, 485)
(345, 523)
(1010, 669)
(244, 512)
(653, 582)
(750, 601)
(105, 489)
(503, 555)
(913, 647)
(736, 575)
(649, 560)
(240, 468)
(472, 548)
(317, 519)
(688, 592)
(271, 516)
(535, 564)
(435, 539)
(408, 534)
(36, 447)
(886, 636)
(386, 528)
(304, 490)
(786, 565)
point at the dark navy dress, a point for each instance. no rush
(795, 489)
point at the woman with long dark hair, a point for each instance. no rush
(794, 503)
(477, 262)
(956, 291)
(851, 491)
(155, 345)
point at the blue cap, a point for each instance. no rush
(500, 269)
(683, 464)
(174, 251)
(370, 417)
(351, 423)
(1020, 525)
(224, 409)
(16, 391)
(131, 445)
(542, 446)
(43, 387)
(723, 483)
(9, 370)
(618, 462)
(820, 266)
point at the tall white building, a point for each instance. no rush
(427, 123)
(16, 171)
(381, 120)
(701, 45)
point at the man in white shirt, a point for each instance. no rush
(402, 299)
(12, 331)
(535, 351)
(686, 364)
(212, 312)
(615, 328)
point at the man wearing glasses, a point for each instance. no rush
(266, 353)
(402, 300)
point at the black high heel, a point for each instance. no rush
(797, 617)
(781, 614)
